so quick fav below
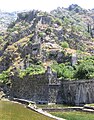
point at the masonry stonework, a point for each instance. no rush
(47, 88)
(43, 88)
(78, 92)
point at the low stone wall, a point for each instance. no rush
(78, 92)
(63, 109)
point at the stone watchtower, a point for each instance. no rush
(54, 86)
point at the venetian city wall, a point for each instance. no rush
(46, 88)
(78, 92)
(43, 88)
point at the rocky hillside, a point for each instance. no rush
(38, 37)
(81, 22)
(6, 18)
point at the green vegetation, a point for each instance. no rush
(84, 69)
(1, 39)
(53, 106)
(58, 21)
(91, 105)
(4, 76)
(64, 71)
(66, 22)
(41, 34)
(32, 70)
(64, 45)
(73, 115)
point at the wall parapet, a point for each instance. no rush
(77, 81)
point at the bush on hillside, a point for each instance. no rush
(33, 69)
(64, 71)
(64, 45)
(85, 70)
(4, 77)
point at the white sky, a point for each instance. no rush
(45, 5)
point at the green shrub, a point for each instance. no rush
(85, 69)
(33, 69)
(64, 45)
(41, 34)
(66, 72)
(4, 76)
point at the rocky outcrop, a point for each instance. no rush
(77, 9)
(37, 37)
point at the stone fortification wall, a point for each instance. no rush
(46, 88)
(30, 87)
(39, 88)
(78, 92)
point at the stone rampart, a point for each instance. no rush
(43, 88)
(78, 92)
(46, 88)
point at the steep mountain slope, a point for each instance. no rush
(81, 22)
(38, 37)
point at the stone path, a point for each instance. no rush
(39, 110)
(45, 113)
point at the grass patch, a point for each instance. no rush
(53, 106)
(14, 111)
(74, 115)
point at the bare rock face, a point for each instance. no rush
(28, 16)
(76, 8)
